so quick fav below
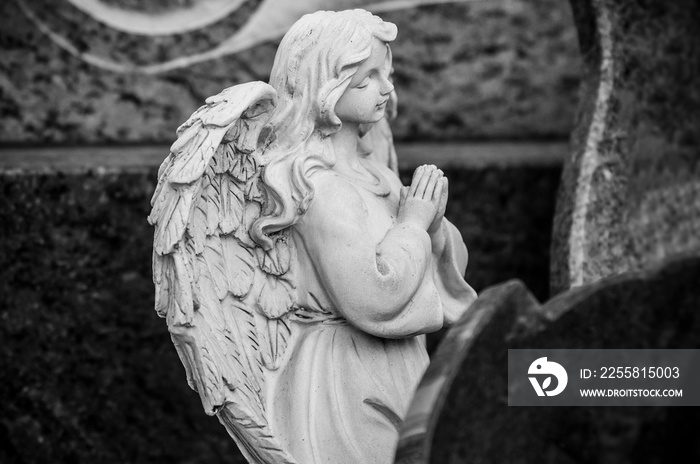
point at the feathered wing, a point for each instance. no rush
(226, 300)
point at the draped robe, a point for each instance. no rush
(368, 288)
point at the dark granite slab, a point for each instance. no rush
(461, 413)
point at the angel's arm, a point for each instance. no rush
(383, 288)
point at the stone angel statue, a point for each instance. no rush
(296, 275)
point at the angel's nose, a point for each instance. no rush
(387, 87)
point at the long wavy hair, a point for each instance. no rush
(313, 67)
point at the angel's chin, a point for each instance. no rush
(378, 115)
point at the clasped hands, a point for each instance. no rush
(423, 202)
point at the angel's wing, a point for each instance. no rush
(225, 299)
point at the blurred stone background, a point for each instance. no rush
(89, 373)
(496, 69)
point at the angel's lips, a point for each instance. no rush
(382, 104)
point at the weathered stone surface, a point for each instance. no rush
(629, 194)
(461, 413)
(463, 71)
(486, 70)
(89, 374)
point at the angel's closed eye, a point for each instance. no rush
(364, 83)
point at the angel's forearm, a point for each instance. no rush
(382, 293)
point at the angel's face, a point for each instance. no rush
(365, 99)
